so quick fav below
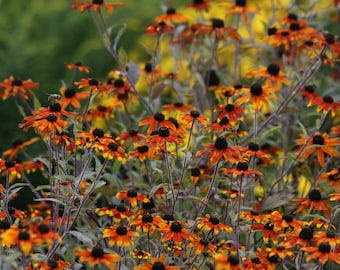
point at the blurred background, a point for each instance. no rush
(38, 37)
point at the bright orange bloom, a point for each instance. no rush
(221, 125)
(156, 263)
(148, 223)
(14, 87)
(319, 144)
(25, 240)
(285, 222)
(177, 107)
(155, 121)
(71, 97)
(199, 4)
(330, 40)
(95, 138)
(118, 212)
(325, 104)
(97, 256)
(132, 134)
(112, 150)
(216, 29)
(194, 116)
(44, 234)
(332, 178)
(51, 264)
(100, 112)
(171, 16)
(329, 236)
(212, 223)
(17, 146)
(279, 251)
(269, 231)
(273, 75)
(258, 95)
(159, 138)
(322, 253)
(234, 113)
(240, 170)
(91, 83)
(96, 5)
(239, 7)
(308, 92)
(255, 263)
(225, 262)
(78, 66)
(140, 254)
(132, 196)
(141, 152)
(254, 150)
(159, 28)
(11, 167)
(175, 231)
(202, 246)
(298, 238)
(313, 202)
(221, 151)
(120, 236)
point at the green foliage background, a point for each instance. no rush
(37, 37)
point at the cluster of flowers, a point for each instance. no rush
(186, 168)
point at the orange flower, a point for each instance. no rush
(96, 5)
(20, 237)
(141, 152)
(132, 134)
(240, 170)
(239, 7)
(171, 16)
(308, 92)
(71, 97)
(258, 95)
(118, 212)
(17, 146)
(14, 87)
(269, 231)
(234, 113)
(177, 107)
(51, 264)
(221, 125)
(97, 256)
(298, 238)
(322, 253)
(273, 75)
(156, 263)
(330, 40)
(284, 222)
(216, 29)
(212, 223)
(12, 168)
(221, 151)
(111, 150)
(155, 121)
(120, 236)
(175, 231)
(319, 144)
(202, 246)
(95, 138)
(100, 111)
(44, 234)
(199, 4)
(194, 116)
(132, 196)
(325, 104)
(159, 28)
(255, 263)
(159, 138)
(93, 84)
(148, 223)
(332, 178)
(279, 251)
(225, 262)
(253, 150)
(329, 236)
(313, 202)
(78, 66)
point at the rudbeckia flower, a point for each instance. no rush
(156, 263)
(72, 97)
(13, 87)
(320, 144)
(95, 5)
(78, 66)
(132, 196)
(239, 7)
(171, 16)
(176, 232)
(227, 262)
(120, 236)
(17, 146)
(323, 253)
(97, 256)
(325, 104)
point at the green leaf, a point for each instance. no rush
(276, 200)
